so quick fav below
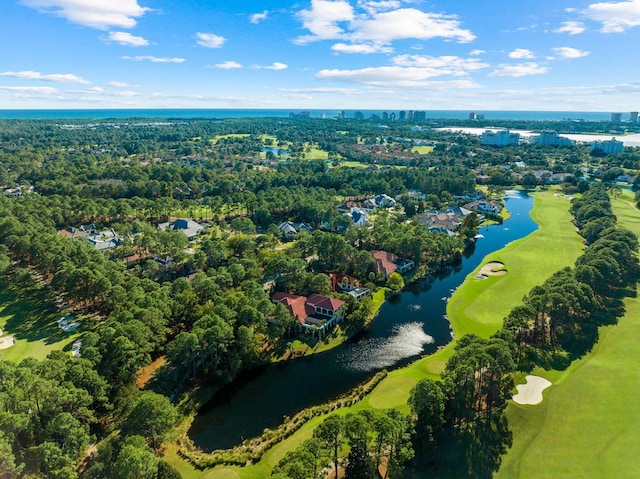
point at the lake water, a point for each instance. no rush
(411, 325)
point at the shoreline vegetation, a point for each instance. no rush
(473, 308)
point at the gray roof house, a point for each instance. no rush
(191, 229)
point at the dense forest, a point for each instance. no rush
(204, 308)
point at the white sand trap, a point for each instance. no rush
(491, 269)
(6, 342)
(531, 391)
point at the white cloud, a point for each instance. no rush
(399, 76)
(408, 23)
(616, 17)
(54, 77)
(521, 53)
(342, 91)
(118, 84)
(377, 22)
(46, 90)
(323, 18)
(258, 17)
(568, 53)
(125, 38)
(572, 28)
(373, 7)
(361, 48)
(519, 70)
(100, 14)
(95, 89)
(447, 65)
(210, 40)
(477, 52)
(228, 65)
(276, 66)
(142, 58)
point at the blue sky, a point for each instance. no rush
(313, 54)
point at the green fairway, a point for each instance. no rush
(33, 327)
(587, 425)
(422, 150)
(476, 307)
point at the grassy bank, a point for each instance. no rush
(587, 425)
(477, 307)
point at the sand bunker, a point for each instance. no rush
(531, 391)
(6, 342)
(491, 269)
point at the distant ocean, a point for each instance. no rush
(240, 113)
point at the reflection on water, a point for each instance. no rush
(373, 354)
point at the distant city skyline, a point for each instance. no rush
(397, 55)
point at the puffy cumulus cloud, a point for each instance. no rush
(616, 17)
(568, 53)
(126, 38)
(323, 19)
(376, 22)
(448, 65)
(210, 40)
(361, 48)
(258, 17)
(118, 84)
(273, 66)
(398, 76)
(521, 53)
(228, 65)
(54, 77)
(572, 28)
(100, 14)
(477, 52)
(410, 23)
(152, 59)
(519, 70)
(373, 7)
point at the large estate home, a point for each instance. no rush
(387, 263)
(290, 230)
(316, 311)
(191, 229)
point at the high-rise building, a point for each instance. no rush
(550, 137)
(420, 115)
(633, 117)
(385, 115)
(472, 116)
(610, 147)
(500, 138)
(410, 115)
(358, 115)
(402, 115)
(616, 117)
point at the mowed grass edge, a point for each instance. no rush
(588, 424)
(472, 309)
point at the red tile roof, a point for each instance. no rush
(319, 301)
(385, 261)
(295, 304)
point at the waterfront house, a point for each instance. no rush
(387, 263)
(315, 312)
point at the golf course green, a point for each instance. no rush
(588, 424)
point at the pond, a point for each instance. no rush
(413, 324)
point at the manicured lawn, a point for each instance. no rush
(33, 326)
(422, 150)
(476, 307)
(588, 424)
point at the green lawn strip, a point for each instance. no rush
(422, 150)
(33, 327)
(587, 426)
(528, 263)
